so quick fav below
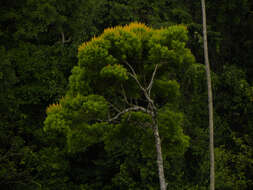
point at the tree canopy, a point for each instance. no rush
(101, 86)
(39, 43)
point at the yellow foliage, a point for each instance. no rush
(83, 45)
(53, 107)
(128, 28)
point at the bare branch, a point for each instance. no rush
(134, 108)
(63, 38)
(134, 73)
(145, 91)
(134, 76)
(152, 80)
(138, 82)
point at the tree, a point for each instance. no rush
(39, 41)
(36, 59)
(127, 76)
(210, 99)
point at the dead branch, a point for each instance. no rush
(152, 80)
(134, 108)
(134, 76)
(63, 38)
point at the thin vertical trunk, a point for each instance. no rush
(151, 109)
(210, 99)
(159, 156)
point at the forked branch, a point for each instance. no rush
(147, 90)
(63, 38)
(152, 80)
(134, 76)
(134, 108)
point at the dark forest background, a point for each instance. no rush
(38, 49)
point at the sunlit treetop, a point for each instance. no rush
(133, 27)
(103, 59)
(54, 108)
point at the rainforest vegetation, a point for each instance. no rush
(112, 94)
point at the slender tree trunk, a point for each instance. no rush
(159, 155)
(151, 110)
(210, 99)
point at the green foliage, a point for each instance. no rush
(117, 71)
(232, 168)
(169, 91)
(81, 112)
(107, 62)
(34, 68)
(39, 42)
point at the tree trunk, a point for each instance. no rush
(159, 156)
(210, 99)
(151, 110)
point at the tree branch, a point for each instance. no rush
(152, 80)
(134, 76)
(134, 108)
(63, 38)
(145, 91)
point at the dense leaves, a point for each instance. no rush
(39, 44)
(108, 62)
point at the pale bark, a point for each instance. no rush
(134, 108)
(159, 159)
(63, 38)
(152, 111)
(210, 99)
(151, 106)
